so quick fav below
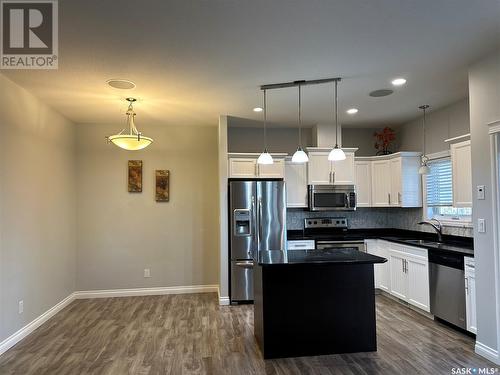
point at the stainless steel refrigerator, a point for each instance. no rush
(257, 214)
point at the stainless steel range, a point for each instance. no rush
(330, 233)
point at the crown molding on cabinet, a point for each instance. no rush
(390, 156)
(494, 127)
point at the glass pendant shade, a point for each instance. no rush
(265, 158)
(130, 142)
(133, 140)
(424, 169)
(300, 156)
(336, 154)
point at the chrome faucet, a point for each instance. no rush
(438, 227)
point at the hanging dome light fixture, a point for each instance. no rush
(132, 140)
(337, 153)
(265, 157)
(300, 156)
(424, 168)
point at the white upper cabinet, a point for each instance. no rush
(363, 177)
(296, 184)
(324, 172)
(381, 183)
(245, 166)
(462, 174)
(275, 170)
(242, 167)
(320, 168)
(395, 181)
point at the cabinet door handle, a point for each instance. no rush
(406, 265)
(467, 285)
(333, 177)
(399, 198)
(403, 265)
(389, 198)
(330, 177)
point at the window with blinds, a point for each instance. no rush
(439, 183)
(439, 193)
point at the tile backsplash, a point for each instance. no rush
(401, 218)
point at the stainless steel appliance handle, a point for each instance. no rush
(245, 264)
(260, 218)
(254, 218)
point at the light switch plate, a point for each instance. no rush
(481, 226)
(480, 192)
(147, 272)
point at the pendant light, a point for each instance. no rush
(133, 140)
(300, 156)
(337, 153)
(265, 157)
(424, 168)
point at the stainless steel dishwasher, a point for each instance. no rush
(447, 287)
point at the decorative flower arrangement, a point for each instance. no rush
(384, 140)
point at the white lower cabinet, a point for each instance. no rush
(406, 273)
(381, 270)
(470, 294)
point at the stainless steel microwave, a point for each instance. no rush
(332, 197)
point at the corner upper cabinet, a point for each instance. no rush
(296, 184)
(324, 172)
(363, 182)
(245, 166)
(462, 174)
(395, 180)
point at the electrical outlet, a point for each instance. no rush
(21, 307)
(481, 226)
(480, 192)
(147, 272)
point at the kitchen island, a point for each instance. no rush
(311, 302)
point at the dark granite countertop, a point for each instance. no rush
(454, 244)
(326, 256)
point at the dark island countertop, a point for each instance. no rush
(326, 256)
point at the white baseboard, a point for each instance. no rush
(13, 339)
(223, 301)
(84, 294)
(487, 352)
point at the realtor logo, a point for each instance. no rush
(29, 34)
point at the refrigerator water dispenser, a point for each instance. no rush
(241, 219)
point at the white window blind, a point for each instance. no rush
(439, 183)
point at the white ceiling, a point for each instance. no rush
(195, 59)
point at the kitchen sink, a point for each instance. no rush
(425, 242)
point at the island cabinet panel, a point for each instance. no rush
(314, 309)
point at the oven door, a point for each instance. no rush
(359, 245)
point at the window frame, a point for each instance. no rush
(447, 220)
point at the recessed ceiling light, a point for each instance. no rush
(352, 111)
(122, 84)
(379, 93)
(257, 109)
(398, 81)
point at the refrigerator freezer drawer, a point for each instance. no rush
(241, 280)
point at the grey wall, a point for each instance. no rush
(447, 122)
(362, 138)
(37, 207)
(122, 233)
(278, 139)
(484, 93)
(363, 217)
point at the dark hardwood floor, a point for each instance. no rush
(191, 334)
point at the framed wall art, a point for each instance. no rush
(135, 176)
(162, 192)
